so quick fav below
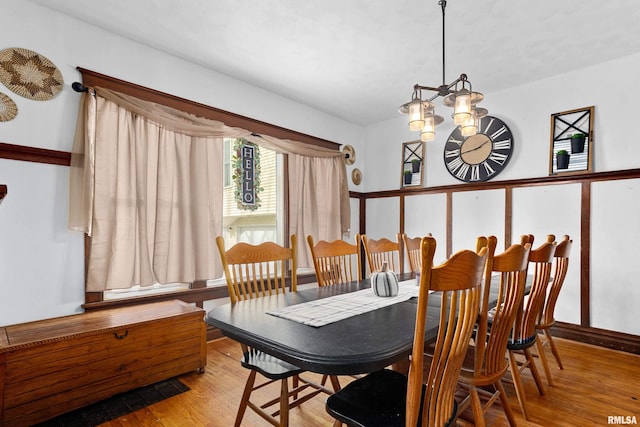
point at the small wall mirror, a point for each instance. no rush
(412, 169)
(571, 141)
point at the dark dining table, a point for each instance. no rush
(363, 343)
(360, 344)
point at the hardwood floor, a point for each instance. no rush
(595, 384)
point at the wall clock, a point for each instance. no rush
(482, 156)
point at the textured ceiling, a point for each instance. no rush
(359, 59)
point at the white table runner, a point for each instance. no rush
(339, 307)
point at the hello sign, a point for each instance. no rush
(247, 158)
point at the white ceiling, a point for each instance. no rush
(359, 59)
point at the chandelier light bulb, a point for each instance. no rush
(428, 132)
(427, 136)
(429, 123)
(462, 107)
(470, 126)
(416, 115)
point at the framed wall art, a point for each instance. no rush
(412, 164)
(571, 149)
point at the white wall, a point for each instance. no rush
(424, 215)
(553, 210)
(477, 213)
(383, 215)
(615, 233)
(41, 263)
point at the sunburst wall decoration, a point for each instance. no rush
(29, 74)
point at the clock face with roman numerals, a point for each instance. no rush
(482, 156)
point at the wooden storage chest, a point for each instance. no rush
(53, 366)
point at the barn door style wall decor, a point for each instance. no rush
(571, 149)
(412, 164)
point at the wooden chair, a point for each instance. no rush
(380, 251)
(486, 363)
(333, 261)
(523, 334)
(412, 249)
(424, 397)
(254, 271)
(546, 321)
(527, 238)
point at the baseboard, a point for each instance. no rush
(600, 337)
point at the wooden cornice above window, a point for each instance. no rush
(92, 78)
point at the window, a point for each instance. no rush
(255, 231)
(263, 221)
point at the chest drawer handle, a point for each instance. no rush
(121, 337)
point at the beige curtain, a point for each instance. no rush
(316, 200)
(156, 194)
(146, 184)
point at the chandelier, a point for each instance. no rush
(457, 94)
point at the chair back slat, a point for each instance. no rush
(412, 249)
(491, 343)
(560, 267)
(382, 251)
(334, 261)
(458, 282)
(540, 261)
(254, 271)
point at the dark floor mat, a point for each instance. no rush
(118, 405)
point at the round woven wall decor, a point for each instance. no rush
(29, 74)
(356, 176)
(8, 108)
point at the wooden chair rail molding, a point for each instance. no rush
(34, 154)
(489, 185)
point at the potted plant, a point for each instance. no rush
(577, 142)
(415, 165)
(562, 159)
(408, 176)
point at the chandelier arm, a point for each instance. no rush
(462, 78)
(445, 89)
(434, 97)
(420, 87)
